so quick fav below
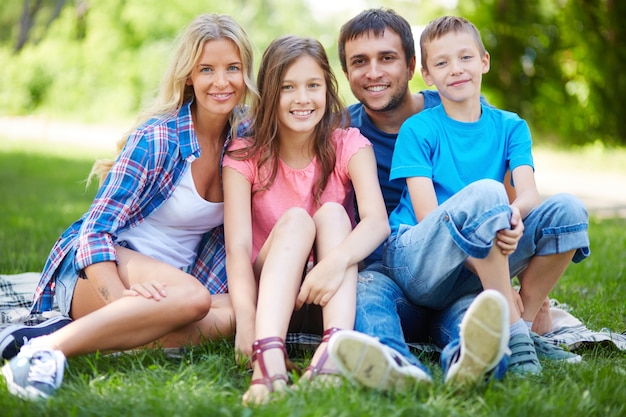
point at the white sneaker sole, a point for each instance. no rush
(484, 338)
(364, 359)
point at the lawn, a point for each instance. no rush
(43, 191)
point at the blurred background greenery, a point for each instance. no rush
(558, 63)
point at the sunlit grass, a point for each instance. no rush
(43, 191)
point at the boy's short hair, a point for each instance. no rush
(376, 21)
(444, 25)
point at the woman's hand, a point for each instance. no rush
(151, 289)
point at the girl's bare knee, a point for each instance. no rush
(334, 214)
(296, 220)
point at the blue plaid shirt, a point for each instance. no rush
(144, 175)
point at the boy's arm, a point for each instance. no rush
(525, 198)
(526, 193)
(423, 196)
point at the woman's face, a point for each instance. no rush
(218, 78)
(302, 97)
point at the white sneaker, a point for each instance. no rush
(364, 359)
(484, 339)
(36, 372)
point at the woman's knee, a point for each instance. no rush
(191, 300)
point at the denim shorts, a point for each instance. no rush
(66, 278)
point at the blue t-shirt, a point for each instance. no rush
(383, 144)
(454, 154)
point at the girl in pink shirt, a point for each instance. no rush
(291, 237)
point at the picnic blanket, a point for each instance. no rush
(16, 295)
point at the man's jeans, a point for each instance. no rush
(423, 290)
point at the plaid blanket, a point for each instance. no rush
(16, 295)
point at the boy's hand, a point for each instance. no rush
(507, 239)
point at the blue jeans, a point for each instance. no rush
(422, 289)
(383, 311)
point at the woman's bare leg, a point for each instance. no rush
(133, 321)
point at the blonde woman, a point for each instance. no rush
(146, 263)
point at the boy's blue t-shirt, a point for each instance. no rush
(454, 154)
(383, 144)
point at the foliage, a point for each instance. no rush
(557, 63)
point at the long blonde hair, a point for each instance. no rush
(174, 90)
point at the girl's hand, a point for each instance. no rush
(321, 283)
(243, 346)
(150, 289)
(508, 239)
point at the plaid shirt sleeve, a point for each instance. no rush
(126, 196)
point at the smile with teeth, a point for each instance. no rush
(221, 95)
(301, 112)
(376, 88)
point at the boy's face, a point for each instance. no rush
(454, 65)
(377, 70)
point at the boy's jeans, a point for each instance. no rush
(422, 289)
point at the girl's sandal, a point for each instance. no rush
(259, 347)
(326, 376)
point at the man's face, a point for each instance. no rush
(377, 70)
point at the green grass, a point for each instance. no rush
(43, 192)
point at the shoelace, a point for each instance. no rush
(43, 368)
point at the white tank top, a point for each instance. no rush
(172, 232)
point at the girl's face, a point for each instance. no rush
(217, 78)
(302, 100)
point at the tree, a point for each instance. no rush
(558, 64)
(30, 11)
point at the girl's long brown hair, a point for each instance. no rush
(277, 59)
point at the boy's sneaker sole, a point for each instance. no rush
(14, 337)
(484, 339)
(364, 359)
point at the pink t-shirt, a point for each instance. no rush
(294, 187)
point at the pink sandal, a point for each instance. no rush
(319, 369)
(259, 347)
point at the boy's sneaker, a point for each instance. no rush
(364, 359)
(549, 351)
(483, 340)
(36, 372)
(14, 337)
(523, 358)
